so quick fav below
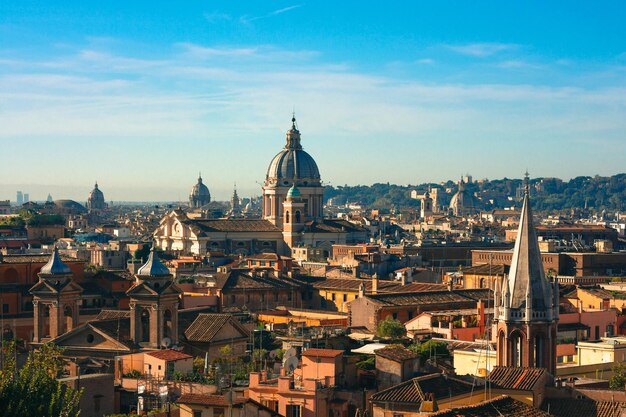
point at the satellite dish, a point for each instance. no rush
(166, 342)
(291, 364)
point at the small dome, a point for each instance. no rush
(55, 265)
(153, 268)
(293, 163)
(294, 192)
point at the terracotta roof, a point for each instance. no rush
(509, 377)
(169, 355)
(571, 407)
(431, 297)
(486, 269)
(396, 353)
(598, 292)
(35, 259)
(496, 407)
(240, 279)
(413, 391)
(322, 353)
(207, 325)
(331, 226)
(233, 225)
(112, 314)
(384, 286)
(210, 400)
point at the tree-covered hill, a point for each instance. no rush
(549, 194)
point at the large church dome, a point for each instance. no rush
(293, 163)
(463, 202)
(199, 195)
(95, 200)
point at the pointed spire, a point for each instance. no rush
(199, 176)
(96, 186)
(527, 277)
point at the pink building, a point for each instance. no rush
(308, 391)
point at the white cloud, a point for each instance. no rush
(248, 19)
(481, 50)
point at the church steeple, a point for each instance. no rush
(527, 272)
(528, 309)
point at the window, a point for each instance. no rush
(218, 412)
(333, 296)
(5, 308)
(345, 297)
(197, 413)
(395, 316)
(293, 410)
(90, 338)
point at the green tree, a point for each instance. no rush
(430, 348)
(34, 390)
(391, 328)
(618, 380)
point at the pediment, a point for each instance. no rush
(141, 289)
(89, 337)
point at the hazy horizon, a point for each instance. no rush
(79, 193)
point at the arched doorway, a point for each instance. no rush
(517, 348)
(539, 351)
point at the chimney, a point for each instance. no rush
(375, 284)
(429, 405)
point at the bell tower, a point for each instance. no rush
(154, 304)
(55, 300)
(527, 307)
(294, 211)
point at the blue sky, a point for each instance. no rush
(142, 95)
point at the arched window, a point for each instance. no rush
(68, 316)
(517, 347)
(145, 326)
(482, 283)
(539, 347)
(298, 217)
(167, 323)
(46, 321)
(501, 348)
(286, 217)
(7, 333)
(11, 276)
